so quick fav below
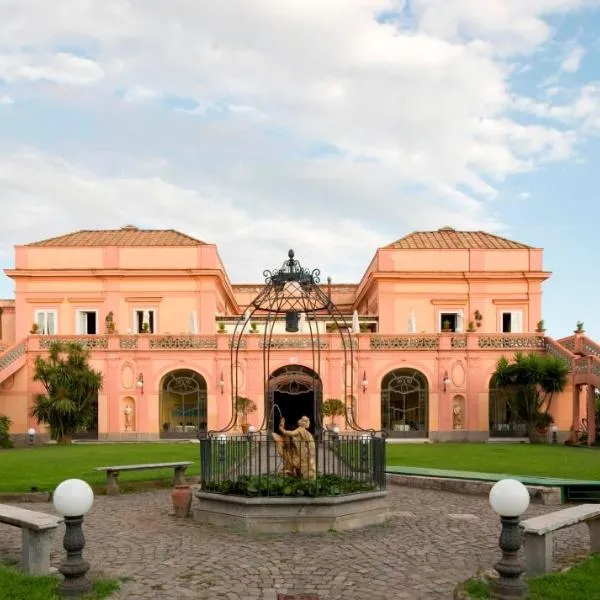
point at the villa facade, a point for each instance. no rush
(435, 309)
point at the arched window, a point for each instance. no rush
(404, 403)
(183, 404)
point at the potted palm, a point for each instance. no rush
(446, 326)
(244, 406)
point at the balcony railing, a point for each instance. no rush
(300, 342)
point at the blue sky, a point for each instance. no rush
(322, 127)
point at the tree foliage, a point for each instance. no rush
(530, 382)
(332, 407)
(5, 423)
(71, 387)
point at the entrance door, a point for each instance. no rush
(295, 392)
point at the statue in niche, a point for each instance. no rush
(128, 412)
(457, 417)
(297, 449)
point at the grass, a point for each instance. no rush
(580, 582)
(46, 466)
(542, 460)
(15, 585)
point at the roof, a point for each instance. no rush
(126, 236)
(448, 238)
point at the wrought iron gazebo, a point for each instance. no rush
(293, 293)
(254, 463)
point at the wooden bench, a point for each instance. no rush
(112, 473)
(38, 530)
(538, 532)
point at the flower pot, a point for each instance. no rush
(245, 428)
(182, 500)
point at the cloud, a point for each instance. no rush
(60, 67)
(6, 100)
(299, 116)
(573, 60)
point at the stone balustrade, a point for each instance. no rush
(330, 341)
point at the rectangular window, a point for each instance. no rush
(47, 322)
(451, 321)
(511, 321)
(144, 321)
(87, 322)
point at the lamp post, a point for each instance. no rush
(364, 383)
(554, 434)
(31, 435)
(72, 499)
(509, 498)
(140, 383)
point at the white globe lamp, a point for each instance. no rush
(31, 433)
(72, 499)
(251, 429)
(509, 498)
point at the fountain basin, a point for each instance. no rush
(292, 515)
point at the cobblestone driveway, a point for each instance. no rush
(434, 540)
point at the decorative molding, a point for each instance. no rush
(456, 301)
(183, 342)
(533, 342)
(518, 301)
(85, 299)
(128, 342)
(12, 355)
(93, 342)
(405, 342)
(46, 300)
(155, 299)
(281, 343)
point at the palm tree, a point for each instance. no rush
(531, 381)
(71, 387)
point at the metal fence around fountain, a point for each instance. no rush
(255, 465)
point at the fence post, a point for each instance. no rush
(205, 460)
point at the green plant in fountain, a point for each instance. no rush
(530, 382)
(332, 407)
(284, 486)
(5, 441)
(71, 387)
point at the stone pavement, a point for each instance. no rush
(434, 540)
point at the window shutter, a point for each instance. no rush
(460, 321)
(50, 324)
(516, 322)
(41, 322)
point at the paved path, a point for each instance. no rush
(434, 540)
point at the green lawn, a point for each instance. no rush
(15, 585)
(543, 460)
(581, 582)
(46, 466)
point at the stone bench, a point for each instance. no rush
(538, 533)
(112, 473)
(38, 530)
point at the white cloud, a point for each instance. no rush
(415, 127)
(60, 68)
(573, 60)
(5, 99)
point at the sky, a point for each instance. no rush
(329, 127)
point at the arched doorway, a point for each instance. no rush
(295, 391)
(504, 423)
(404, 404)
(182, 404)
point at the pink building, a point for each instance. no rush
(435, 309)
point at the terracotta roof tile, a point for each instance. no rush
(126, 236)
(450, 239)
